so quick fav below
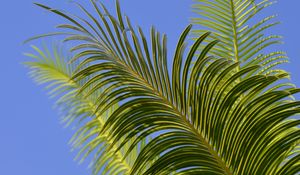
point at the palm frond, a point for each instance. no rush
(203, 121)
(242, 39)
(53, 70)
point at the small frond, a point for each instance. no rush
(50, 67)
(242, 39)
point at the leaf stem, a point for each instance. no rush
(235, 34)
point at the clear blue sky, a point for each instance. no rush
(32, 141)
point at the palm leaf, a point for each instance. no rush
(242, 39)
(203, 121)
(52, 69)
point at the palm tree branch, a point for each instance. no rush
(230, 23)
(178, 105)
(56, 71)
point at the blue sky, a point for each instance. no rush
(32, 141)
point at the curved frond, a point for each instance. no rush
(54, 71)
(203, 120)
(242, 39)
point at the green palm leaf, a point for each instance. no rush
(81, 109)
(242, 39)
(203, 121)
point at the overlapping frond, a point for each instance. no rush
(242, 38)
(203, 121)
(80, 109)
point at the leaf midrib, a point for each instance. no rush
(234, 30)
(210, 148)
